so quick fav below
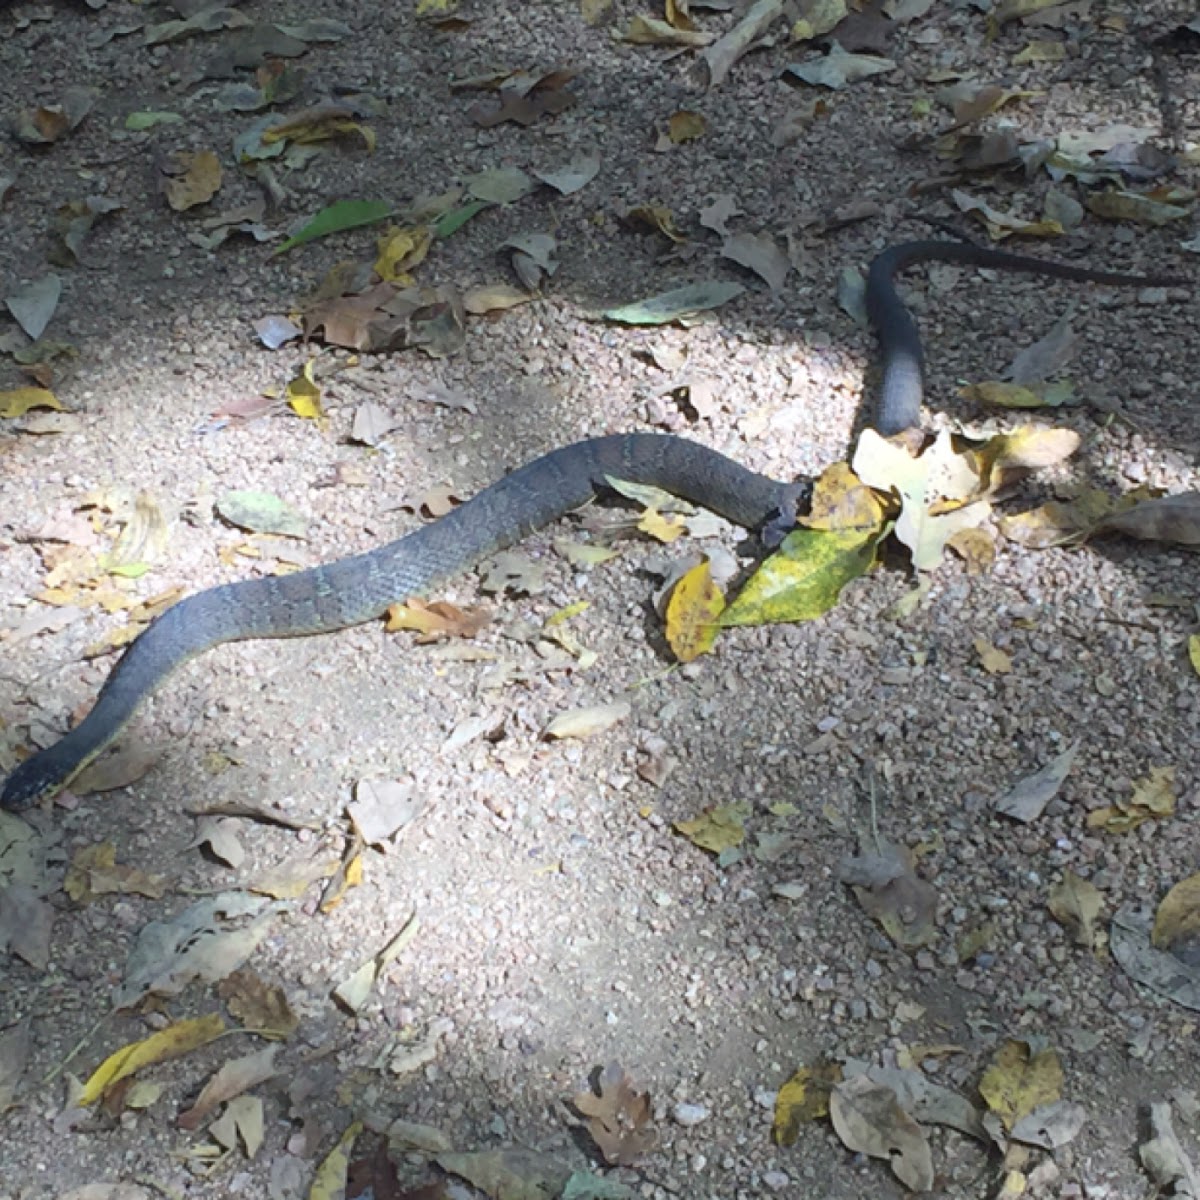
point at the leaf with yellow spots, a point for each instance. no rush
(692, 611)
(304, 394)
(18, 401)
(1018, 1081)
(804, 579)
(173, 1042)
(401, 249)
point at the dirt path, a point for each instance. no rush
(564, 923)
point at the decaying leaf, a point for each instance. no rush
(195, 178)
(1165, 973)
(16, 1042)
(869, 1120)
(679, 304)
(261, 1007)
(437, 619)
(747, 33)
(196, 944)
(1166, 519)
(26, 922)
(261, 512)
(885, 883)
(1164, 1157)
(619, 1117)
(938, 491)
(839, 68)
(382, 807)
(515, 1172)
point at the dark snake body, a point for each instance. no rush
(353, 590)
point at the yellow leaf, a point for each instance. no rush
(399, 250)
(1156, 792)
(18, 401)
(993, 661)
(1194, 652)
(692, 611)
(1178, 916)
(1018, 1081)
(181, 1038)
(803, 1099)
(329, 1182)
(304, 394)
(841, 501)
(666, 527)
(717, 829)
(685, 126)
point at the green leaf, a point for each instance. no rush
(456, 218)
(677, 304)
(337, 217)
(804, 579)
(139, 121)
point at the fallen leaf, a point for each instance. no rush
(722, 54)
(1076, 903)
(329, 1179)
(195, 179)
(241, 1121)
(336, 218)
(993, 661)
(93, 873)
(26, 922)
(1020, 1080)
(234, 1077)
(869, 1120)
(352, 993)
(717, 829)
(174, 1041)
(574, 176)
(382, 807)
(261, 512)
(890, 892)
(437, 620)
(679, 304)
(685, 126)
(761, 254)
(1167, 519)
(803, 1100)
(587, 722)
(1153, 799)
(18, 401)
(494, 297)
(839, 68)
(16, 1042)
(512, 1174)
(692, 611)
(619, 1117)
(1028, 798)
(260, 1007)
(33, 304)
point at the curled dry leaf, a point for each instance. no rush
(619, 1117)
(586, 722)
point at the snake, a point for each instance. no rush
(360, 588)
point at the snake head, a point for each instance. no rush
(26, 785)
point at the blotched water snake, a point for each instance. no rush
(357, 589)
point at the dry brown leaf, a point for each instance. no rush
(619, 1118)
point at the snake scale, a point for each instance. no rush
(353, 590)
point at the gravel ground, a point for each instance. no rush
(564, 923)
